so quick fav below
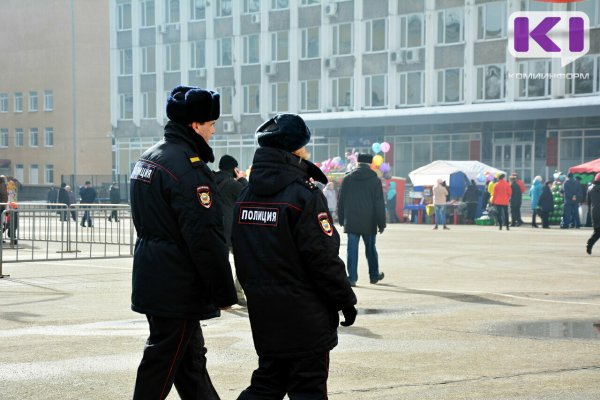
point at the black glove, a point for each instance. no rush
(381, 229)
(349, 315)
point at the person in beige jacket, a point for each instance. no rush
(440, 194)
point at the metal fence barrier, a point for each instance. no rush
(44, 232)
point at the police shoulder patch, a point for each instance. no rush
(204, 196)
(143, 171)
(325, 224)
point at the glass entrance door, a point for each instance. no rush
(515, 157)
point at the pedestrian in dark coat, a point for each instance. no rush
(286, 255)
(114, 194)
(361, 211)
(471, 197)
(516, 198)
(546, 204)
(63, 198)
(593, 199)
(88, 195)
(181, 272)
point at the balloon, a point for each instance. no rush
(385, 167)
(318, 164)
(336, 160)
(385, 147)
(377, 160)
(480, 177)
(376, 147)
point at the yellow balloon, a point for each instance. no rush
(377, 160)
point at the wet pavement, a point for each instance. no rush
(470, 313)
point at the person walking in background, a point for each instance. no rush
(286, 251)
(546, 204)
(331, 197)
(72, 201)
(230, 182)
(516, 199)
(501, 199)
(593, 199)
(534, 193)
(52, 197)
(471, 198)
(570, 207)
(440, 197)
(181, 272)
(3, 190)
(114, 194)
(391, 204)
(88, 195)
(63, 198)
(361, 211)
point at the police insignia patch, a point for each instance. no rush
(204, 196)
(325, 224)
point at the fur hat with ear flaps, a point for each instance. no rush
(283, 131)
(188, 104)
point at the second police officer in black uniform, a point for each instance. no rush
(181, 271)
(286, 256)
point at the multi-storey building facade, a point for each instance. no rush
(434, 78)
(54, 91)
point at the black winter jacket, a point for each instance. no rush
(593, 197)
(516, 197)
(361, 208)
(286, 257)
(229, 190)
(546, 201)
(180, 266)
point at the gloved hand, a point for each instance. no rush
(381, 229)
(349, 315)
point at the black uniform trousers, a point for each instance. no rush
(174, 354)
(593, 239)
(301, 379)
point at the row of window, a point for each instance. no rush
(491, 16)
(18, 101)
(533, 77)
(19, 137)
(34, 172)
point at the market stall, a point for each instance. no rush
(586, 170)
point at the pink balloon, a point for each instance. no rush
(385, 147)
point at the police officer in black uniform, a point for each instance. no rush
(286, 256)
(181, 271)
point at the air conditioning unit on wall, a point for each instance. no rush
(411, 56)
(228, 126)
(255, 18)
(330, 10)
(200, 73)
(329, 63)
(271, 69)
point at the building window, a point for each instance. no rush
(490, 82)
(223, 8)
(49, 137)
(375, 35)
(147, 13)
(19, 137)
(280, 96)
(224, 49)
(450, 86)
(172, 57)
(125, 62)
(4, 137)
(342, 39)
(125, 106)
(491, 20)
(172, 11)
(251, 6)
(148, 105)
(18, 102)
(412, 88)
(280, 4)
(251, 99)
(19, 172)
(375, 91)
(534, 82)
(226, 99)
(587, 80)
(33, 101)
(34, 174)
(33, 137)
(49, 173)
(535, 5)
(279, 46)
(342, 92)
(309, 95)
(412, 30)
(4, 102)
(198, 54)
(198, 10)
(591, 8)
(309, 2)
(148, 60)
(310, 42)
(48, 100)
(251, 49)
(124, 16)
(450, 26)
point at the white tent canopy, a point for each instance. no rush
(442, 169)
